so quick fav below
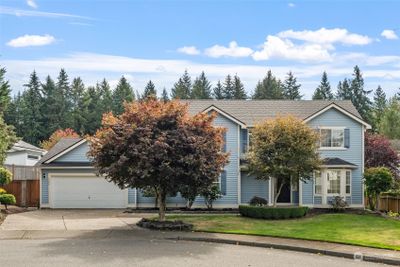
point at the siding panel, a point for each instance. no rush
(251, 187)
(76, 155)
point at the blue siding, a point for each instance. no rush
(76, 155)
(131, 195)
(45, 189)
(251, 187)
(295, 196)
(307, 192)
(352, 154)
(318, 200)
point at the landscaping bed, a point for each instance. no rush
(363, 230)
(176, 225)
(184, 211)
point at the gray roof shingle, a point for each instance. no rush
(22, 146)
(62, 145)
(251, 112)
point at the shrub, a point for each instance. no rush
(210, 195)
(377, 180)
(272, 213)
(338, 203)
(5, 176)
(2, 191)
(7, 199)
(258, 201)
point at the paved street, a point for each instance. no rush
(144, 252)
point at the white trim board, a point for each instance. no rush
(65, 151)
(212, 107)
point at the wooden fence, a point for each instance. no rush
(389, 203)
(25, 185)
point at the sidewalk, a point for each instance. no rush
(324, 248)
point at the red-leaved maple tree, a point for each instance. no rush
(156, 144)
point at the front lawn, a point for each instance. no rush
(363, 230)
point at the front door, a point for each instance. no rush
(284, 196)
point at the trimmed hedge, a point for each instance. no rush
(272, 213)
(7, 199)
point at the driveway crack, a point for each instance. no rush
(65, 226)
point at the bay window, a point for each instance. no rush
(332, 182)
(317, 183)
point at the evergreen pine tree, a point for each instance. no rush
(92, 110)
(78, 106)
(218, 91)
(291, 89)
(343, 90)
(389, 123)
(269, 88)
(63, 99)
(33, 127)
(359, 96)
(228, 90)
(183, 87)
(123, 92)
(323, 91)
(52, 99)
(13, 114)
(379, 106)
(105, 96)
(149, 90)
(239, 91)
(201, 87)
(4, 92)
(164, 95)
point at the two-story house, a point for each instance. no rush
(68, 179)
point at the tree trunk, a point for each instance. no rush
(162, 197)
(371, 203)
(278, 193)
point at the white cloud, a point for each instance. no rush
(275, 47)
(291, 5)
(232, 51)
(31, 3)
(327, 36)
(389, 34)
(93, 67)
(31, 13)
(31, 40)
(189, 50)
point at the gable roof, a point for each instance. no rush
(57, 149)
(24, 146)
(251, 112)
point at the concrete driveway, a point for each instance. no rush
(74, 220)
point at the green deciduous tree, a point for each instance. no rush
(156, 144)
(4, 92)
(123, 92)
(201, 87)
(269, 88)
(284, 148)
(291, 89)
(7, 139)
(389, 124)
(183, 87)
(323, 91)
(377, 180)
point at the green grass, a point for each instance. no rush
(362, 230)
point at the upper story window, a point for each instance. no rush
(334, 137)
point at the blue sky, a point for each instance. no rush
(158, 40)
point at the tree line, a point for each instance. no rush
(45, 106)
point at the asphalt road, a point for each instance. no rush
(145, 252)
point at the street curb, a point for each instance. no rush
(359, 256)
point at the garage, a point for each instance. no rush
(84, 191)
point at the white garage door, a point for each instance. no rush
(85, 192)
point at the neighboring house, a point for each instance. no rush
(24, 154)
(68, 180)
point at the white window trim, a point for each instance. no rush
(331, 147)
(324, 182)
